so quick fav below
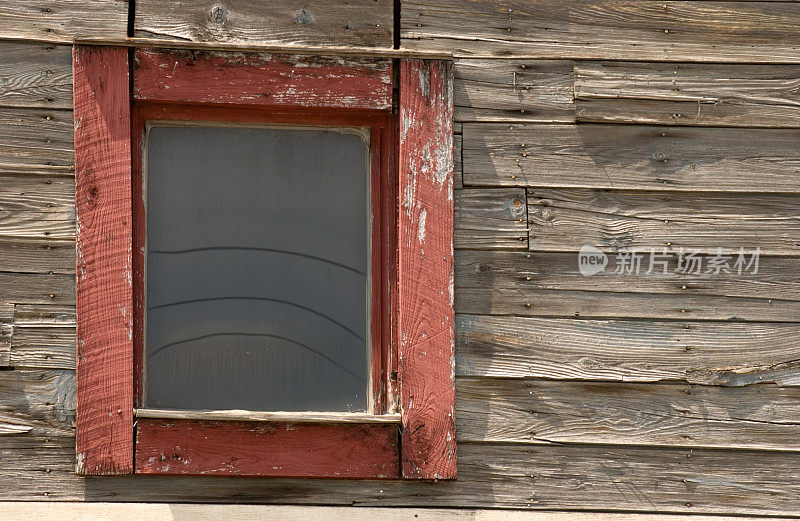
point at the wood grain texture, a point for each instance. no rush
(104, 439)
(43, 347)
(425, 320)
(605, 29)
(457, 142)
(530, 302)
(35, 75)
(522, 476)
(490, 218)
(6, 330)
(777, 277)
(264, 80)
(688, 94)
(36, 137)
(231, 448)
(37, 255)
(708, 353)
(565, 220)
(37, 206)
(514, 90)
(631, 156)
(37, 403)
(37, 288)
(332, 418)
(321, 22)
(62, 20)
(501, 410)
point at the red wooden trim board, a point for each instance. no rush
(233, 448)
(266, 80)
(426, 331)
(104, 307)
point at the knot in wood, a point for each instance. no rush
(218, 14)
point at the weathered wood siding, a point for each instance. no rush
(591, 122)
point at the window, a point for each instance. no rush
(264, 268)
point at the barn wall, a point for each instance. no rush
(613, 392)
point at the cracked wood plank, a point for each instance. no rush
(631, 157)
(62, 20)
(500, 410)
(708, 353)
(615, 220)
(367, 23)
(688, 94)
(713, 31)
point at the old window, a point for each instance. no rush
(264, 265)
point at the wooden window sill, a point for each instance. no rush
(278, 416)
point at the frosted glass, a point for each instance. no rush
(256, 273)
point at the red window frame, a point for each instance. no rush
(412, 265)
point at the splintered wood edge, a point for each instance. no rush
(278, 416)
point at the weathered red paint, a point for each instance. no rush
(232, 448)
(104, 307)
(425, 322)
(263, 80)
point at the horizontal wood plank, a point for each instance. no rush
(35, 75)
(490, 218)
(605, 29)
(709, 353)
(776, 278)
(37, 255)
(688, 94)
(531, 302)
(566, 220)
(262, 80)
(62, 20)
(37, 403)
(514, 90)
(321, 22)
(270, 416)
(43, 346)
(6, 330)
(501, 410)
(37, 206)
(457, 170)
(36, 136)
(523, 476)
(631, 157)
(38, 288)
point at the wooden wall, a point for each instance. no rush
(618, 123)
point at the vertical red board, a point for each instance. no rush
(425, 320)
(104, 306)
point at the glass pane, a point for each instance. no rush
(257, 262)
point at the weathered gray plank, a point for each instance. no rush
(605, 29)
(6, 330)
(321, 22)
(536, 411)
(513, 90)
(490, 218)
(565, 220)
(457, 141)
(62, 20)
(36, 206)
(35, 75)
(43, 347)
(37, 288)
(688, 94)
(631, 156)
(44, 315)
(37, 403)
(716, 353)
(520, 476)
(776, 278)
(37, 255)
(36, 136)
(531, 302)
